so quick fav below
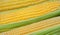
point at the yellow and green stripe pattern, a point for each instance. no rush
(29, 17)
(35, 27)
